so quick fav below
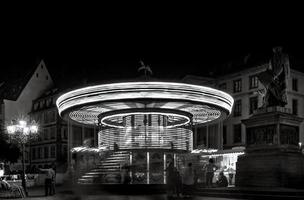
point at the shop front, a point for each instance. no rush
(224, 160)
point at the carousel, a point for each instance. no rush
(145, 124)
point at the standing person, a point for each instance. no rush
(125, 174)
(210, 168)
(178, 183)
(222, 180)
(188, 180)
(50, 174)
(122, 173)
(53, 184)
(170, 179)
(230, 174)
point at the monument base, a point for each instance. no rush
(270, 169)
(272, 157)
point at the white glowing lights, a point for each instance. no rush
(204, 103)
(183, 119)
(88, 149)
(174, 139)
(22, 127)
(204, 150)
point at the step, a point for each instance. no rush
(116, 158)
(107, 169)
(108, 164)
(121, 152)
(85, 180)
(81, 182)
(93, 173)
(89, 176)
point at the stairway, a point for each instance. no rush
(108, 171)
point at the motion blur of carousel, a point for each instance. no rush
(142, 126)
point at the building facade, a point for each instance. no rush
(54, 140)
(51, 145)
(17, 94)
(246, 89)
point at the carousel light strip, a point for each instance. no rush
(147, 138)
(145, 113)
(142, 85)
(134, 94)
(140, 90)
(201, 115)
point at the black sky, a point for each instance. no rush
(106, 46)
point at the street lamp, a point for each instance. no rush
(22, 132)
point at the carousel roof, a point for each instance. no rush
(86, 104)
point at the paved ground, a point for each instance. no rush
(115, 197)
(119, 193)
(63, 194)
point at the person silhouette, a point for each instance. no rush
(210, 168)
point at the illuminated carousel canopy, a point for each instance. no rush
(179, 102)
(145, 115)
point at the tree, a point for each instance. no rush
(9, 152)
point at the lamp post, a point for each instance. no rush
(22, 132)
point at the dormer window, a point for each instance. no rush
(36, 106)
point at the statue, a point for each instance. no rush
(275, 79)
(146, 68)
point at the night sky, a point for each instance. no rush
(104, 47)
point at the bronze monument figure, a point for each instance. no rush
(275, 79)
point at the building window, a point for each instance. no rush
(41, 135)
(237, 133)
(295, 106)
(253, 82)
(46, 134)
(36, 106)
(237, 108)
(41, 104)
(253, 103)
(53, 132)
(64, 151)
(224, 134)
(34, 153)
(64, 134)
(237, 85)
(49, 116)
(40, 118)
(48, 102)
(46, 152)
(223, 86)
(54, 101)
(39, 153)
(53, 151)
(295, 84)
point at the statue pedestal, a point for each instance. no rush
(272, 157)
